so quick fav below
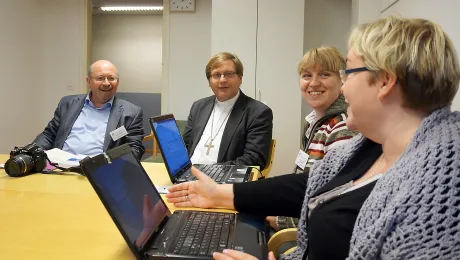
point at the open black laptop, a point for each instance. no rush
(150, 229)
(178, 163)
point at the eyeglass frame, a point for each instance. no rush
(227, 75)
(102, 79)
(344, 73)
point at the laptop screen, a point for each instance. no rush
(131, 198)
(172, 146)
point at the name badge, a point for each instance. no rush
(302, 159)
(118, 133)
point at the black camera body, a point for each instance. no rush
(26, 160)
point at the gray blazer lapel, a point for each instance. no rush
(114, 118)
(67, 123)
(202, 120)
(233, 122)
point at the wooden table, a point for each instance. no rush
(45, 216)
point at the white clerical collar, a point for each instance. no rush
(227, 103)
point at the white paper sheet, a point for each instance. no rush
(64, 159)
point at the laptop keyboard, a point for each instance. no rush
(205, 233)
(215, 171)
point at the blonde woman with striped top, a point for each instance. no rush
(325, 127)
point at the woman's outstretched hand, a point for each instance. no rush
(200, 193)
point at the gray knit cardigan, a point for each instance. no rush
(413, 211)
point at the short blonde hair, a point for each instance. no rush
(219, 58)
(329, 58)
(418, 52)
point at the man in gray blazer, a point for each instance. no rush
(228, 127)
(93, 123)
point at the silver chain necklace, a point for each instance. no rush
(211, 139)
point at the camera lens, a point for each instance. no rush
(19, 165)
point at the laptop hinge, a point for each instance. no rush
(183, 170)
(149, 244)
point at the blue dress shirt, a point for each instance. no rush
(88, 132)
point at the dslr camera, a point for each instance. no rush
(26, 160)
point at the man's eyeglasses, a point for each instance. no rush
(227, 75)
(102, 79)
(344, 73)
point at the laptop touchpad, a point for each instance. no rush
(250, 236)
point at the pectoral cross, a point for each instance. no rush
(210, 145)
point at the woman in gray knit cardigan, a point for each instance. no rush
(392, 192)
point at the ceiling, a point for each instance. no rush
(98, 3)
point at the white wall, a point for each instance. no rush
(279, 49)
(385, 4)
(333, 31)
(237, 35)
(366, 10)
(134, 44)
(63, 53)
(41, 56)
(20, 73)
(443, 12)
(189, 51)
